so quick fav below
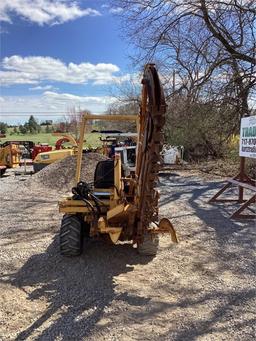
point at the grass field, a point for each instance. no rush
(92, 139)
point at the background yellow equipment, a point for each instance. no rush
(10, 156)
(46, 158)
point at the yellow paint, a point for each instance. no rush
(111, 117)
(120, 212)
(74, 209)
(80, 151)
(117, 177)
(53, 156)
(72, 202)
(114, 232)
(10, 155)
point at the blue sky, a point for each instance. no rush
(59, 54)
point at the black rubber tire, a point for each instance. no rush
(71, 241)
(2, 171)
(149, 246)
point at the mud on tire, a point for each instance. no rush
(71, 236)
(149, 246)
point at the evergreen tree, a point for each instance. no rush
(3, 128)
(33, 126)
(23, 129)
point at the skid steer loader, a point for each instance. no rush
(120, 206)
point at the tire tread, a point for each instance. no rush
(71, 236)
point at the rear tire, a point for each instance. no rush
(2, 171)
(71, 240)
(149, 246)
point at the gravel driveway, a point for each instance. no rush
(201, 289)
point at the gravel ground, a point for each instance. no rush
(200, 289)
(60, 174)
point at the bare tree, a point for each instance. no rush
(204, 41)
(205, 51)
(73, 121)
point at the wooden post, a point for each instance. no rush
(241, 178)
(80, 151)
(117, 176)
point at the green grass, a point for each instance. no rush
(92, 139)
(41, 137)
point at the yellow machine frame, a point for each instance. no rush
(114, 209)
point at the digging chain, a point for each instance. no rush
(152, 119)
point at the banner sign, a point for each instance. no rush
(247, 145)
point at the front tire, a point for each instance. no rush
(71, 241)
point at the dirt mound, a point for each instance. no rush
(60, 174)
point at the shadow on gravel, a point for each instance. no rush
(230, 307)
(233, 255)
(236, 234)
(78, 289)
(197, 193)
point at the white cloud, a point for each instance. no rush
(45, 87)
(13, 77)
(33, 70)
(115, 10)
(44, 11)
(67, 98)
(50, 102)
